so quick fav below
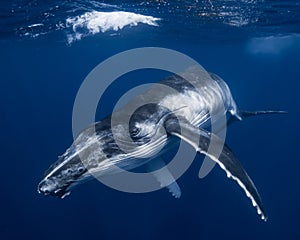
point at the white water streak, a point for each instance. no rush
(95, 22)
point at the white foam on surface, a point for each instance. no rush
(36, 25)
(94, 22)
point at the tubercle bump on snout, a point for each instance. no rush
(44, 188)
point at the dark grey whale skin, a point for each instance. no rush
(161, 121)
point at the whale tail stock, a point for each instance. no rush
(245, 114)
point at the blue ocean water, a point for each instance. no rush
(49, 47)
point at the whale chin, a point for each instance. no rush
(45, 188)
(60, 193)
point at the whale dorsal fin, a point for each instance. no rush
(164, 176)
(200, 140)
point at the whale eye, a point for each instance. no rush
(135, 131)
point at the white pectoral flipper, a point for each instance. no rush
(200, 139)
(164, 177)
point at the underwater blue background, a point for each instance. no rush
(41, 74)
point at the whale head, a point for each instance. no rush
(92, 153)
(61, 176)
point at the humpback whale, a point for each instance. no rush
(183, 114)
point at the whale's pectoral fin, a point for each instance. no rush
(160, 171)
(200, 139)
